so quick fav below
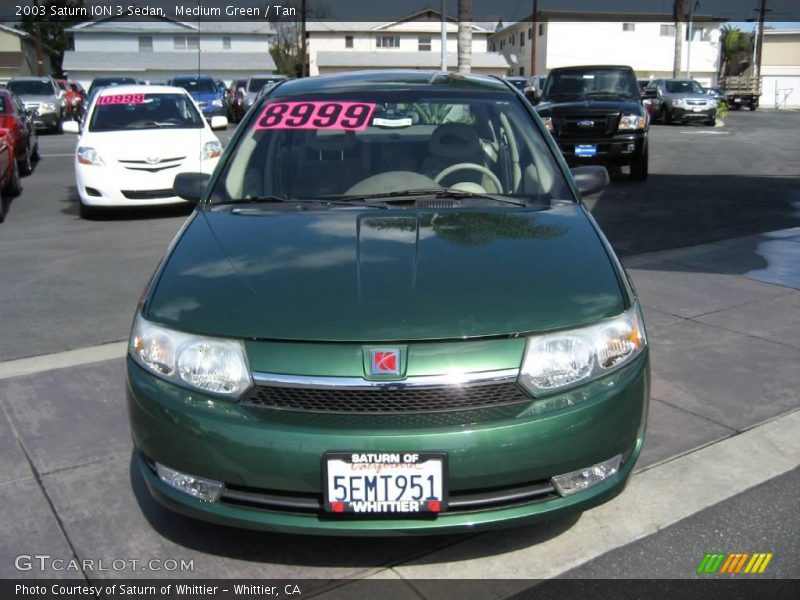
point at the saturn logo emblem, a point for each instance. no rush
(385, 362)
(152, 160)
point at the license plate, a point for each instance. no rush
(737, 100)
(696, 109)
(586, 150)
(384, 482)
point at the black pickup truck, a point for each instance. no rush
(596, 116)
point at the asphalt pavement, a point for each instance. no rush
(714, 259)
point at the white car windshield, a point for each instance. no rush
(128, 111)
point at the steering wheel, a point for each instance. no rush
(470, 167)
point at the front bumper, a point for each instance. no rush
(280, 453)
(214, 111)
(621, 149)
(687, 114)
(46, 121)
(115, 185)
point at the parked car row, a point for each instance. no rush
(19, 146)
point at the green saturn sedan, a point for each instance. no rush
(389, 314)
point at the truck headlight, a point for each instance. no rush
(548, 123)
(216, 102)
(631, 122)
(204, 363)
(211, 149)
(558, 360)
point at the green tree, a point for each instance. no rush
(52, 30)
(737, 50)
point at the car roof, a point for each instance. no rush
(139, 89)
(398, 80)
(31, 78)
(626, 67)
(190, 77)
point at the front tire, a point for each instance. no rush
(26, 164)
(663, 116)
(640, 166)
(14, 186)
(711, 122)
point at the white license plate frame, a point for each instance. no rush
(385, 496)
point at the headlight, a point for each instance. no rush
(211, 150)
(558, 360)
(48, 106)
(209, 364)
(713, 103)
(632, 122)
(89, 156)
(679, 102)
(548, 123)
(216, 102)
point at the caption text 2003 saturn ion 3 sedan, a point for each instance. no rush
(389, 314)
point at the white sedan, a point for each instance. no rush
(134, 140)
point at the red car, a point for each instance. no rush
(21, 129)
(70, 95)
(78, 99)
(9, 173)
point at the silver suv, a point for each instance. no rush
(679, 100)
(43, 99)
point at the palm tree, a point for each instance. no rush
(464, 36)
(679, 13)
(737, 49)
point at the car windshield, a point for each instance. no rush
(518, 83)
(121, 112)
(31, 87)
(108, 81)
(349, 147)
(684, 87)
(201, 86)
(256, 83)
(592, 82)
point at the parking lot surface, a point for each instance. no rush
(712, 243)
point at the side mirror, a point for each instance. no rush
(70, 127)
(590, 179)
(190, 186)
(219, 123)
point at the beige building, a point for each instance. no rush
(780, 68)
(18, 54)
(410, 43)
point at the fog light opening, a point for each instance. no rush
(197, 487)
(582, 479)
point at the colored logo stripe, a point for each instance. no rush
(732, 563)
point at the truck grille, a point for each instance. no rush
(387, 400)
(586, 126)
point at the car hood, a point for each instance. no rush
(36, 98)
(139, 145)
(605, 106)
(368, 276)
(205, 96)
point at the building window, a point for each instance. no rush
(348, 41)
(522, 71)
(226, 42)
(629, 27)
(193, 43)
(424, 43)
(179, 42)
(513, 39)
(530, 31)
(521, 39)
(145, 43)
(388, 41)
(667, 30)
(541, 29)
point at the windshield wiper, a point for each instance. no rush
(403, 195)
(282, 199)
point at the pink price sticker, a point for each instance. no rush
(121, 99)
(348, 116)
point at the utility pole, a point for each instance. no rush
(39, 49)
(303, 49)
(534, 37)
(692, 7)
(443, 61)
(464, 36)
(762, 10)
(679, 12)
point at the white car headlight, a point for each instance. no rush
(679, 102)
(48, 106)
(558, 360)
(216, 102)
(208, 364)
(211, 149)
(632, 122)
(89, 156)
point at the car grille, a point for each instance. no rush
(593, 126)
(696, 102)
(160, 164)
(147, 194)
(382, 400)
